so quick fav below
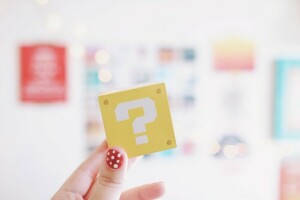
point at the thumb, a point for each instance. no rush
(111, 176)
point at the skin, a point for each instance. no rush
(94, 180)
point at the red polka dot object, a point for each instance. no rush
(114, 159)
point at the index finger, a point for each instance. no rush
(82, 178)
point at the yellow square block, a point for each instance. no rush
(138, 119)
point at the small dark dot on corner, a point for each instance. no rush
(169, 142)
(158, 91)
(106, 102)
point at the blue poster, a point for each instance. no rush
(287, 99)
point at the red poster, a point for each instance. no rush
(43, 73)
(290, 179)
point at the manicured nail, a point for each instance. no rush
(114, 159)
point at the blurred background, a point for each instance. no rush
(232, 70)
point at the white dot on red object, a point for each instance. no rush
(112, 157)
(110, 163)
(108, 153)
(119, 155)
(114, 151)
(107, 158)
(115, 166)
(118, 161)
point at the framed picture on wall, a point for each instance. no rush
(43, 73)
(287, 99)
(289, 179)
(234, 54)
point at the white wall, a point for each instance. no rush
(41, 144)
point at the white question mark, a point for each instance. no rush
(139, 124)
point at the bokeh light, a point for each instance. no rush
(104, 75)
(215, 148)
(230, 151)
(77, 50)
(54, 22)
(79, 29)
(102, 57)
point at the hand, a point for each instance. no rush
(101, 177)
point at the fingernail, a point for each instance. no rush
(114, 159)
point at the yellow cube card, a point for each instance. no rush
(138, 119)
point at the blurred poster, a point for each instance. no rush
(234, 53)
(42, 73)
(290, 179)
(111, 67)
(287, 99)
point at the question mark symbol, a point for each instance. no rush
(139, 124)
